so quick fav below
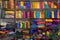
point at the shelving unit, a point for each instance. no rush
(24, 15)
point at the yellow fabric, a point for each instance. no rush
(52, 14)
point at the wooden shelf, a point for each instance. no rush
(37, 9)
(37, 0)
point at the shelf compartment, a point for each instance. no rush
(7, 14)
(8, 4)
(21, 24)
(33, 5)
(38, 14)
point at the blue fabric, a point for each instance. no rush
(37, 14)
(55, 13)
(18, 25)
(49, 14)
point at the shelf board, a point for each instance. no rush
(36, 9)
(8, 9)
(37, 18)
(33, 9)
(37, 0)
(22, 29)
(28, 18)
(7, 18)
(4, 0)
(30, 0)
(29, 29)
(23, 19)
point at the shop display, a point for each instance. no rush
(29, 19)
